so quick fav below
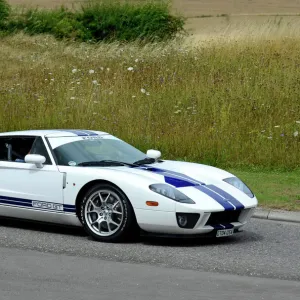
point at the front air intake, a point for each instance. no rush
(223, 217)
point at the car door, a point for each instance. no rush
(27, 191)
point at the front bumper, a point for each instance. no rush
(165, 223)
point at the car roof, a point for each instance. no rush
(54, 133)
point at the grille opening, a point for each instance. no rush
(224, 217)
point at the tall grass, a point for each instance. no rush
(227, 104)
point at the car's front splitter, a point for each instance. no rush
(211, 234)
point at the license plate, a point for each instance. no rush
(224, 232)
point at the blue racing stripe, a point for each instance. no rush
(228, 226)
(222, 226)
(16, 203)
(227, 206)
(179, 180)
(174, 174)
(90, 133)
(174, 178)
(176, 182)
(227, 196)
(69, 208)
(80, 132)
(77, 132)
(15, 199)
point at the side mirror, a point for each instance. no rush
(35, 159)
(155, 154)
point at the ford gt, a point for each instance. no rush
(95, 180)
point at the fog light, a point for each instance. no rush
(187, 220)
(182, 220)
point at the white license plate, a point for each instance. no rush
(224, 232)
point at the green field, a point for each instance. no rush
(278, 190)
(229, 103)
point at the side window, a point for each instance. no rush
(3, 150)
(16, 148)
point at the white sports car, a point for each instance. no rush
(95, 180)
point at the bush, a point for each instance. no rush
(4, 12)
(108, 21)
(127, 21)
(60, 22)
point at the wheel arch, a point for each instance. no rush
(90, 184)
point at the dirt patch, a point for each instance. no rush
(45, 3)
(244, 26)
(194, 8)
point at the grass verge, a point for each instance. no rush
(275, 190)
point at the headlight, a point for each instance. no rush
(170, 192)
(239, 184)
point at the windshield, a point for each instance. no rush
(72, 151)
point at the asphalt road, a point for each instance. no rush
(44, 262)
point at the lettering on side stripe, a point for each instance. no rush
(48, 205)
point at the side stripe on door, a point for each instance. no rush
(37, 205)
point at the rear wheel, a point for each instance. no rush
(107, 215)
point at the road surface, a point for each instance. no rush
(45, 262)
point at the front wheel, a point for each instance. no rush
(107, 215)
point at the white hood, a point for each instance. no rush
(203, 184)
(188, 171)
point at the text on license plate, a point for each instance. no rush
(224, 232)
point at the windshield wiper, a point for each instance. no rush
(146, 160)
(104, 163)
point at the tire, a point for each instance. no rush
(109, 218)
